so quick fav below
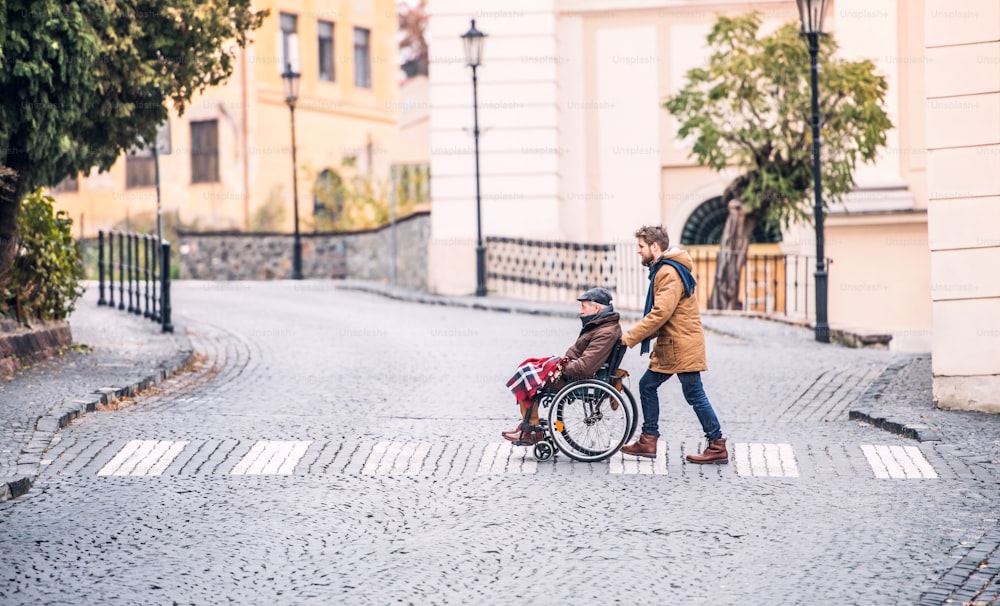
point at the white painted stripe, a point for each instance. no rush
(489, 453)
(248, 459)
(374, 458)
(112, 466)
(885, 454)
(623, 464)
(789, 466)
(772, 461)
(418, 458)
(167, 458)
(874, 461)
(145, 447)
(903, 458)
(765, 460)
(390, 457)
(267, 457)
(295, 455)
(402, 461)
(154, 454)
(757, 461)
(741, 457)
(926, 470)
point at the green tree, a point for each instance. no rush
(83, 80)
(749, 108)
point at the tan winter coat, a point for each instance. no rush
(674, 321)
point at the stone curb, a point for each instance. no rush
(866, 410)
(30, 459)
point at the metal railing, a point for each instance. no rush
(547, 271)
(772, 284)
(143, 265)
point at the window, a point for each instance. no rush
(325, 35)
(289, 42)
(139, 168)
(362, 58)
(68, 185)
(205, 151)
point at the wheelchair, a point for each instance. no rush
(588, 419)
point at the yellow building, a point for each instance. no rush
(230, 164)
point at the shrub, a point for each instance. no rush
(45, 278)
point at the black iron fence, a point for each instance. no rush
(773, 284)
(142, 263)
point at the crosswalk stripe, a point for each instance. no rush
(765, 460)
(271, 458)
(622, 464)
(396, 458)
(897, 462)
(500, 457)
(143, 458)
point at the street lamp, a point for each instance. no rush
(291, 80)
(811, 13)
(473, 40)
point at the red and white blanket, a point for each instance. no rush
(532, 374)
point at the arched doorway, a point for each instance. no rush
(705, 225)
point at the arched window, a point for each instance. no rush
(705, 224)
(328, 195)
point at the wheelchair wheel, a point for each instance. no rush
(590, 420)
(544, 451)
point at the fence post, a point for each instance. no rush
(145, 273)
(165, 287)
(100, 268)
(121, 270)
(155, 315)
(138, 275)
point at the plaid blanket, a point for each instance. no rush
(532, 374)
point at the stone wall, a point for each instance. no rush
(365, 255)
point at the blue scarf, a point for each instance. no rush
(686, 278)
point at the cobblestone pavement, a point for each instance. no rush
(337, 446)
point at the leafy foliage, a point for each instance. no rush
(750, 108)
(45, 281)
(83, 80)
(360, 202)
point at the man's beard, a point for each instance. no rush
(646, 262)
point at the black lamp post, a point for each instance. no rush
(291, 80)
(811, 13)
(473, 40)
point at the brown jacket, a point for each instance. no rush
(592, 347)
(674, 321)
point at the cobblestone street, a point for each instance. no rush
(334, 446)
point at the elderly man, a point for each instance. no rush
(600, 333)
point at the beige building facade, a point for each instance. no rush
(963, 185)
(576, 147)
(230, 164)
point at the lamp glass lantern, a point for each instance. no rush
(811, 13)
(473, 40)
(291, 79)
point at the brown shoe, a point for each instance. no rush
(645, 446)
(715, 453)
(529, 438)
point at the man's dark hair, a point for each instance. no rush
(654, 233)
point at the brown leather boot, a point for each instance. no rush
(645, 446)
(715, 453)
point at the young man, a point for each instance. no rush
(600, 333)
(672, 317)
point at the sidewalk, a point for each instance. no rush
(116, 355)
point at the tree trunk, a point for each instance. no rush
(10, 205)
(732, 257)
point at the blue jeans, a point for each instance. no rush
(694, 393)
